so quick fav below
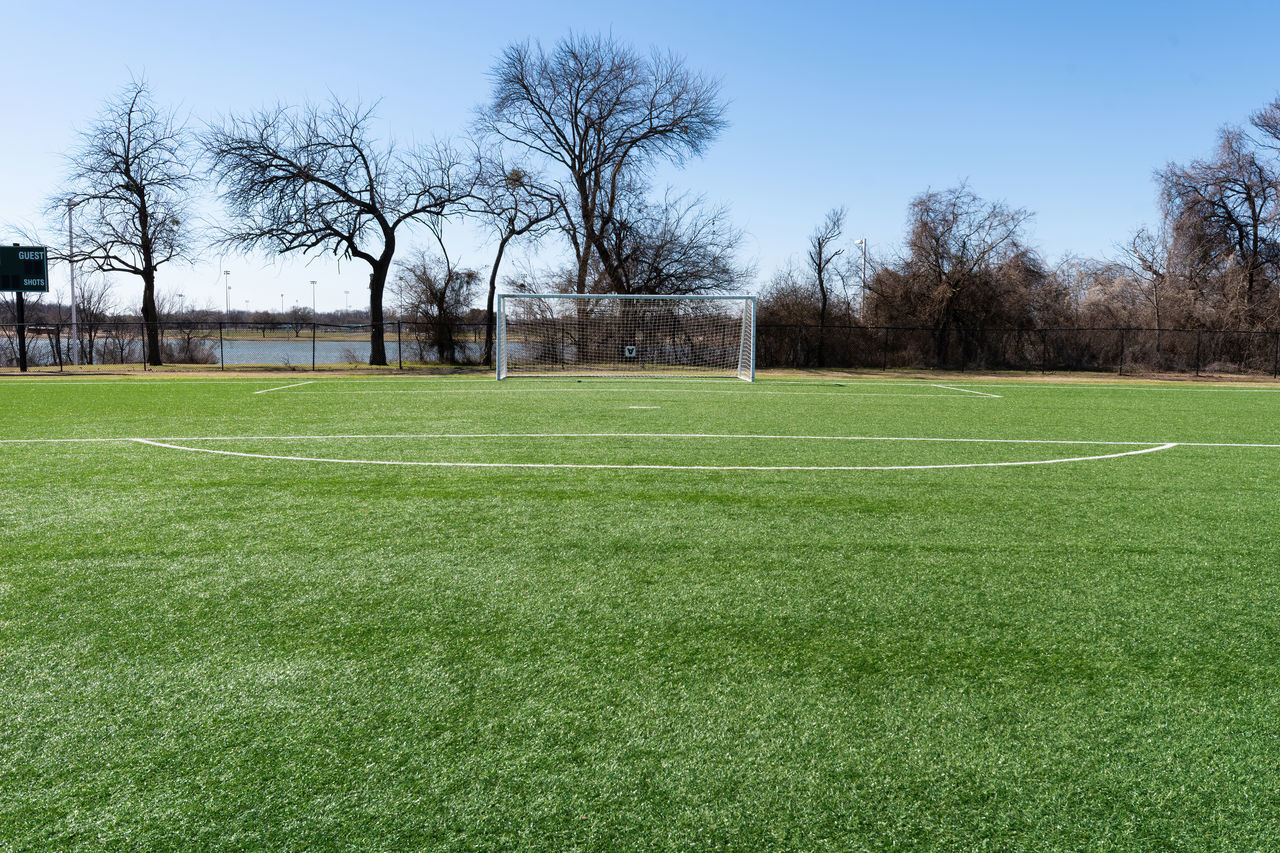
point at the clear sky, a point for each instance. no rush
(1062, 108)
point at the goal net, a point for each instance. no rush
(562, 334)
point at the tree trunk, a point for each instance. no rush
(151, 317)
(488, 307)
(822, 328)
(377, 283)
(941, 344)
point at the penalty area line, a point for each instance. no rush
(965, 390)
(658, 435)
(282, 387)
(649, 467)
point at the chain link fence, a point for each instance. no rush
(309, 346)
(1044, 350)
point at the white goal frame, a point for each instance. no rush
(635, 341)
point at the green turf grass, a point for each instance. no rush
(213, 652)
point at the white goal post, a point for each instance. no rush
(611, 334)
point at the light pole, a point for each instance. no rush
(346, 297)
(282, 304)
(226, 277)
(313, 300)
(862, 291)
(71, 266)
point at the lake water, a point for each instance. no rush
(298, 352)
(295, 353)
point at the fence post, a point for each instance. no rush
(399, 347)
(884, 350)
(1198, 333)
(313, 346)
(1044, 351)
(57, 345)
(1122, 352)
(143, 341)
(222, 352)
(1275, 358)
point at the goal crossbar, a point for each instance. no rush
(574, 334)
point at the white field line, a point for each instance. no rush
(692, 435)
(967, 391)
(765, 381)
(1036, 384)
(132, 382)
(282, 387)
(664, 435)
(509, 390)
(122, 381)
(564, 465)
(57, 440)
(1033, 385)
(644, 407)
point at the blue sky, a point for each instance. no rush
(1065, 109)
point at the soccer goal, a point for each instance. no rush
(570, 334)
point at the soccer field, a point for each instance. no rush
(416, 613)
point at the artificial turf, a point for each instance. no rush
(216, 652)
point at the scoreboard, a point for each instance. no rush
(24, 269)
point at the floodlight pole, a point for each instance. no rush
(313, 301)
(226, 277)
(71, 265)
(863, 289)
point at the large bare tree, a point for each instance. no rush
(316, 179)
(1224, 215)
(601, 114)
(513, 203)
(966, 264)
(129, 184)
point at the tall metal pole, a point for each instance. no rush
(862, 291)
(71, 265)
(226, 277)
(313, 301)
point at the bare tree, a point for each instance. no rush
(678, 246)
(821, 255)
(1109, 295)
(1224, 214)
(956, 243)
(130, 182)
(315, 179)
(602, 114)
(95, 303)
(434, 295)
(1145, 258)
(514, 204)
